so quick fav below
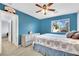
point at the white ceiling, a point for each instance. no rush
(61, 8)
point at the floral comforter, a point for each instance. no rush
(59, 43)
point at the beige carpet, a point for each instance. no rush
(9, 49)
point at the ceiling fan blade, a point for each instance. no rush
(51, 9)
(49, 4)
(38, 5)
(38, 11)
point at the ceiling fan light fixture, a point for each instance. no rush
(44, 11)
(45, 8)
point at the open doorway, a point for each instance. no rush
(6, 30)
(6, 34)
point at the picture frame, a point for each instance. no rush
(62, 25)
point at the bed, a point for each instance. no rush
(55, 42)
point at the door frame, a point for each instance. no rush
(11, 20)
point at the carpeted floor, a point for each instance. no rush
(9, 49)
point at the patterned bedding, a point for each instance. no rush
(57, 42)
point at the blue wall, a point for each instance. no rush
(1, 6)
(46, 23)
(25, 21)
(24, 24)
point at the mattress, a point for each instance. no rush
(58, 42)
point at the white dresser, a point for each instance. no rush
(26, 39)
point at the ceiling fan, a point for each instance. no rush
(45, 8)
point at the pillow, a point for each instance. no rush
(75, 36)
(70, 34)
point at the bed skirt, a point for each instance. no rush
(50, 52)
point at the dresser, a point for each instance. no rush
(26, 39)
